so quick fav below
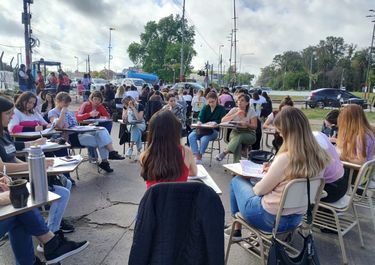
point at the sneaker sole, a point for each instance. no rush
(68, 254)
(67, 231)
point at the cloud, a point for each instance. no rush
(10, 27)
(68, 28)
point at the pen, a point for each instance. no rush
(5, 170)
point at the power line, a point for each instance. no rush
(12, 46)
(196, 29)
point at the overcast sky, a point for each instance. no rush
(69, 28)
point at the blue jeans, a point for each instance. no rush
(20, 228)
(99, 139)
(23, 88)
(58, 207)
(193, 141)
(136, 135)
(244, 200)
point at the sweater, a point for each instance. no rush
(205, 115)
(22, 122)
(179, 223)
(86, 108)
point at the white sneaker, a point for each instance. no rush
(136, 157)
(40, 248)
(129, 153)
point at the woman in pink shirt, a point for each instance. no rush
(299, 156)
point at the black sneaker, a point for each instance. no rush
(66, 227)
(38, 262)
(113, 155)
(237, 235)
(105, 166)
(59, 248)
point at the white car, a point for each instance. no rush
(96, 83)
(137, 82)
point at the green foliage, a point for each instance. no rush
(330, 63)
(159, 48)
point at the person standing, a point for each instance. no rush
(22, 78)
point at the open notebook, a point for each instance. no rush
(251, 169)
(64, 161)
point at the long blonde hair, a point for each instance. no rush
(353, 127)
(306, 157)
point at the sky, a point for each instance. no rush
(67, 29)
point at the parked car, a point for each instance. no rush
(137, 82)
(96, 83)
(187, 85)
(333, 97)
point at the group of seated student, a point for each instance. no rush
(100, 138)
(22, 227)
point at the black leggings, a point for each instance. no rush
(336, 190)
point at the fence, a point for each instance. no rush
(6, 80)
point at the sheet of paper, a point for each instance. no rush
(251, 169)
(83, 128)
(59, 162)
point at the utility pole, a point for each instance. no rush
(26, 17)
(218, 65)
(370, 55)
(109, 52)
(207, 67)
(182, 43)
(235, 41)
(88, 63)
(76, 62)
(311, 61)
(230, 53)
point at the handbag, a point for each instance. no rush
(260, 156)
(277, 254)
(203, 131)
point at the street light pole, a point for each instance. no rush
(310, 76)
(219, 64)
(182, 43)
(370, 54)
(109, 51)
(76, 62)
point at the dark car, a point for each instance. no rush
(332, 97)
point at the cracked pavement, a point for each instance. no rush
(103, 208)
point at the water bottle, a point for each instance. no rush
(38, 175)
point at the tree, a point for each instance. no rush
(159, 48)
(330, 63)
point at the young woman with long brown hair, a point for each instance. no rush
(355, 140)
(165, 159)
(300, 156)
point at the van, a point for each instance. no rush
(137, 82)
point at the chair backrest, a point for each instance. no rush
(295, 195)
(229, 105)
(188, 218)
(363, 178)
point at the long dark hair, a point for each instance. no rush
(247, 99)
(163, 159)
(22, 101)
